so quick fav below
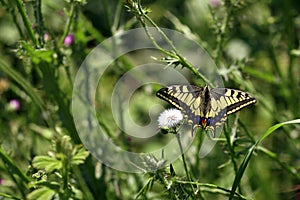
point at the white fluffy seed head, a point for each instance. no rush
(169, 118)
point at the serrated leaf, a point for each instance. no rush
(43, 193)
(47, 163)
(42, 55)
(43, 183)
(80, 157)
(77, 193)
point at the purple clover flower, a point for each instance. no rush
(14, 105)
(69, 39)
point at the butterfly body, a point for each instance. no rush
(205, 107)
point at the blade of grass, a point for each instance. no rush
(7, 196)
(246, 160)
(13, 169)
(276, 126)
(16, 76)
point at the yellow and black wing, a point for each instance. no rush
(205, 107)
(185, 98)
(226, 101)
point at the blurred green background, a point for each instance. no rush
(255, 44)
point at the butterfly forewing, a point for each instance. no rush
(231, 100)
(184, 97)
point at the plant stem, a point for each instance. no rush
(222, 33)
(184, 160)
(176, 54)
(26, 22)
(212, 188)
(69, 22)
(39, 21)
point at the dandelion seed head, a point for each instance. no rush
(169, 118)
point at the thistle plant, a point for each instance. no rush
(53, 177)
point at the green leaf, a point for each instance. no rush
(44, 183)
(77, 193)
(47, 163)
(80, 157)
(36, 56)
(42, 55)
(43, 193)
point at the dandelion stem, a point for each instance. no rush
(184, 160)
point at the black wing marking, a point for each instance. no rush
(183, 98)
(228, 101)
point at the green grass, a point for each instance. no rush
(255, 45)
